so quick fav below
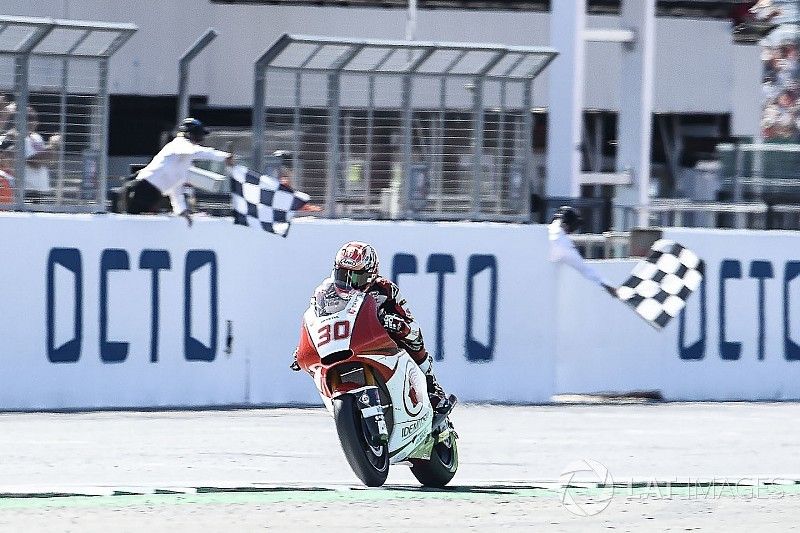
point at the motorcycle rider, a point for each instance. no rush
(356, 267)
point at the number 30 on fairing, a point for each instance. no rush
(340, 330)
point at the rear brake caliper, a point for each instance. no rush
(369, 403)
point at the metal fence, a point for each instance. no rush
(766, 171)
(401, 129)
(686, 213)
(762, 173)
(754, 186)
(54, 96)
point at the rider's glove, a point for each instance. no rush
(395, 324)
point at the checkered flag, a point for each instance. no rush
(660, 284)
(260, 200)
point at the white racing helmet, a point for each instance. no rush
(355, 266)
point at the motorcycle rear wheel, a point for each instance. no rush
(441, 467)
(369, 463)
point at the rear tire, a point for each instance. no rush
(369, 463)
(441, 467)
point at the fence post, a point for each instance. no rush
(334, 118)
(259, 115)
(62, 129)
(477, 149)
(441, 144)
(102, 120)
(334, 135)
(183, 71)
(498, 167)
(527, 132)
(22, 61)
(368, 147)
(260, 95)
(737, 184)
(408, 140)
(298, 94)
(21, 73)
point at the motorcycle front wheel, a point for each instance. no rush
(370, 463)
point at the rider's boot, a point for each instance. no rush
(441, 402)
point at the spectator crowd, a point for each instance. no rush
(776, 11)
(781, 90)
(39, 153)
(780, 55)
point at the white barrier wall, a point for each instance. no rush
(87, 295)
(738, 340)
(119, 311)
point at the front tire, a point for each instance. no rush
(441, 467)
(369, 463)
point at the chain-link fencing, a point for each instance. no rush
(400, 129)
(54, 112)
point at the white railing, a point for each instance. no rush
(612, 243)
(672, 212)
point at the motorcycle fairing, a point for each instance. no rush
(353, 334)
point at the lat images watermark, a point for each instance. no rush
(704, 488)
(588, 488)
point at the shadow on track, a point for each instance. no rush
(468, 489)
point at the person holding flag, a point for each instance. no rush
(567, 220)
(659, 285)
(167, 173)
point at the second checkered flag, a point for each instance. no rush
(659, 285)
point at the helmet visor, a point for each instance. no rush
(351, 279)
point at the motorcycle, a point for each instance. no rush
(375, 391)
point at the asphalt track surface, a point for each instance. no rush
(675, 467)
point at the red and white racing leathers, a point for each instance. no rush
(399, 323)
(405, 332)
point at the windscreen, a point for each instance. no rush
(331, 300)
